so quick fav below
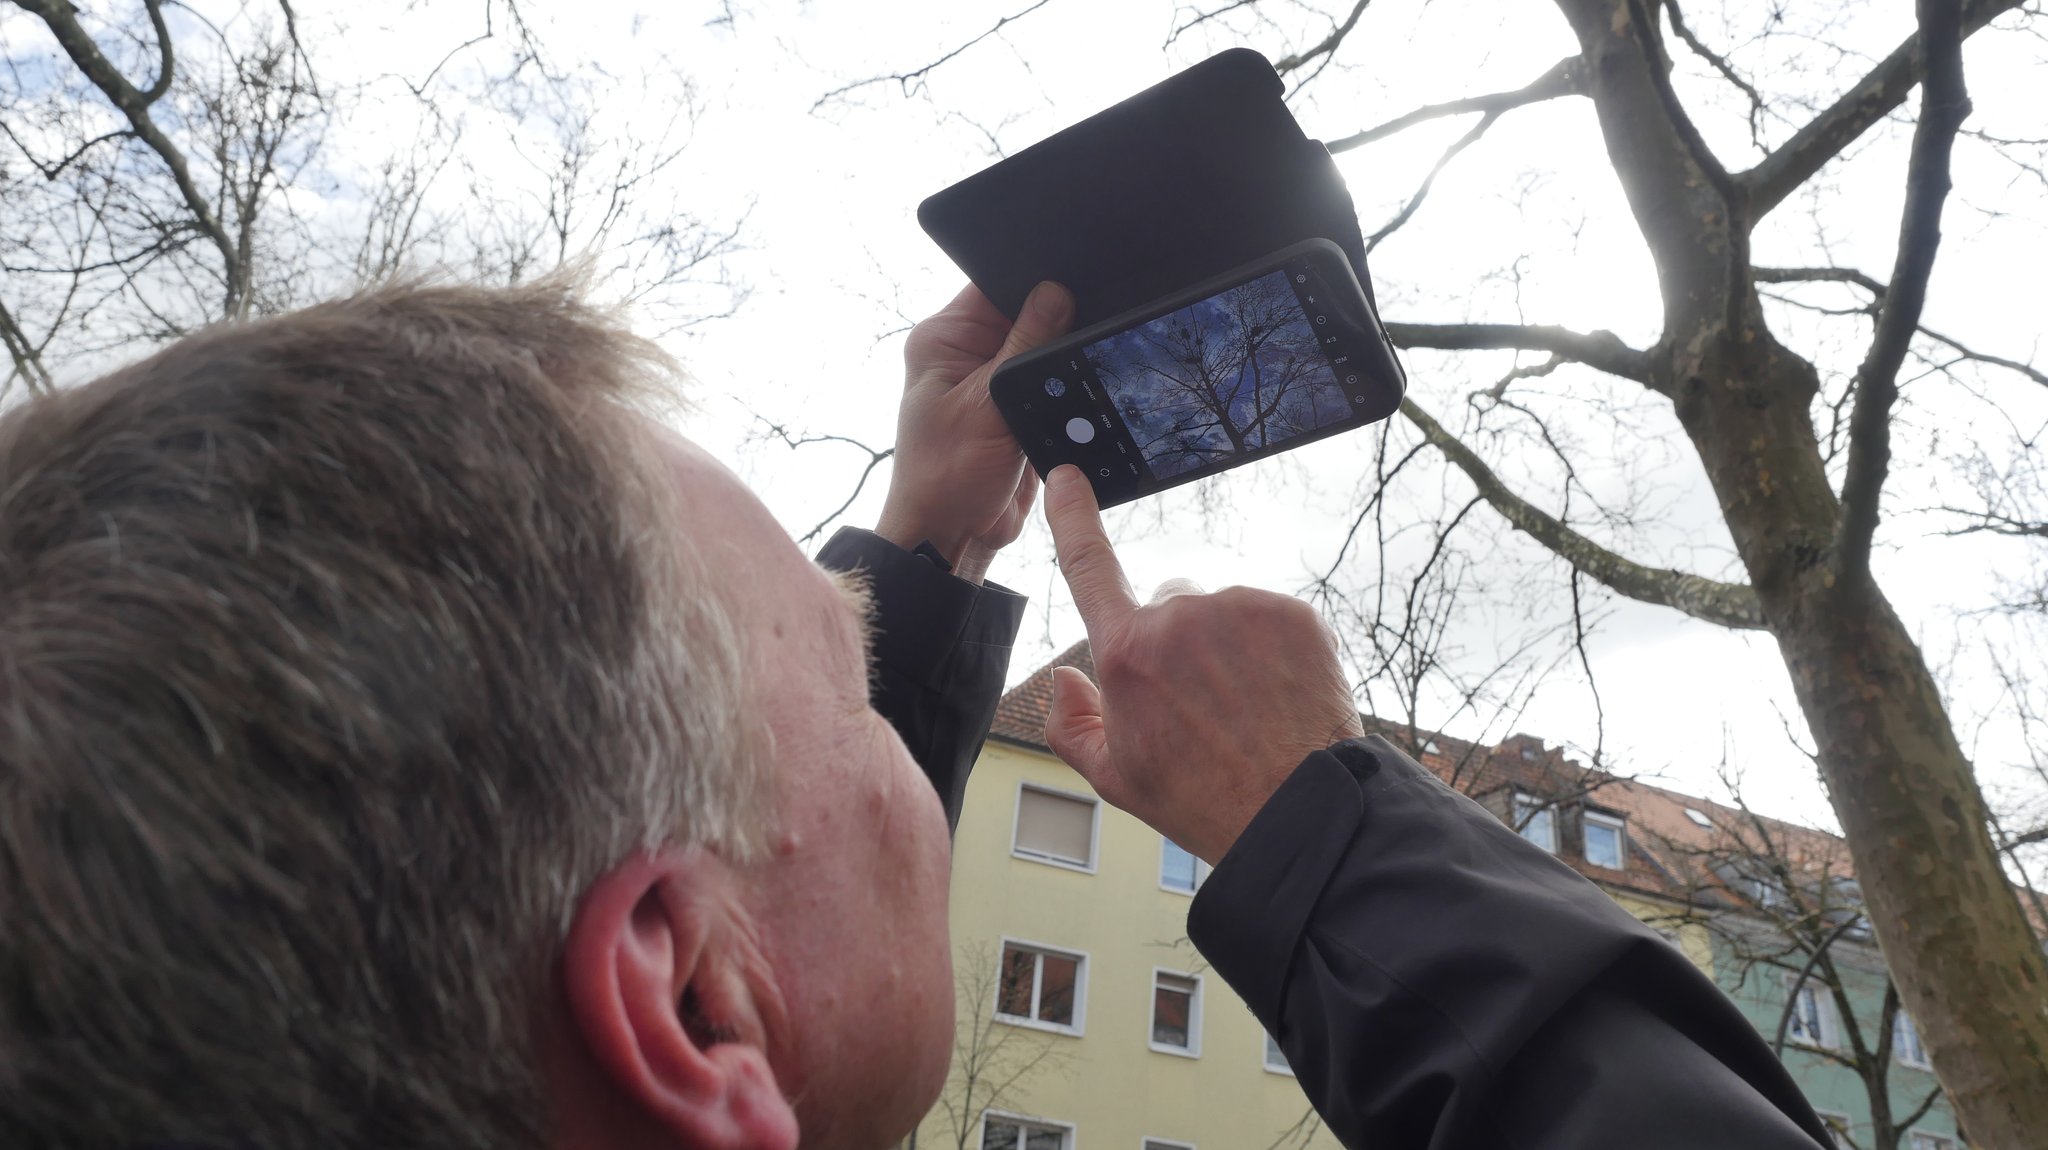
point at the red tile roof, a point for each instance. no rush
(1669, 853)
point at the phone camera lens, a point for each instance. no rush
(1055, 387)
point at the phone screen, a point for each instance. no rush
(1243, 372)
(1226, 377)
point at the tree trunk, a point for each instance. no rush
(1951, 926)
(1949, 921)
(1966, 960)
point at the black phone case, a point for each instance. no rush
(1198, 174)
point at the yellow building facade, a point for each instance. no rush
(1086, 1020)
(1102, 1083)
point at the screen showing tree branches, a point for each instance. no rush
(1231, 375)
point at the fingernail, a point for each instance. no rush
(1047, 301)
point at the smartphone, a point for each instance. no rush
(1263, 358)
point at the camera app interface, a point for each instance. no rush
(1232, 375)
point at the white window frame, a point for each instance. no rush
(1902, 1025)
(1620, 827)
(1080, 987)
(1824, 1015)
(1202, 870)
(1147, 1142)
(1094, 828)
(1928, 1140)
(1526, 807)
(1836, 1121)
(1194, 1047)
(1066, 1129)
(1265, 1056)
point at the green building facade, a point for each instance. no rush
(1818, 1040)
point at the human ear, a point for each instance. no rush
(663, 989)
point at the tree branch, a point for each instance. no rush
(1822, 139)
(1721, 65)
(28, 360)
(165, 65)
(1287, 64)
(1561, 80)
(62, 20)
(1599, 349)
(1944, 103)
(1918, 1112)
(911, 80)
(1407, 211)
(1813, 275)
(1792, 996)
(1728, 604)
(1877, 291)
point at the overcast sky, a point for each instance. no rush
(1527, 225)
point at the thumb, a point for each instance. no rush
(1074, 728)
(1046, 313)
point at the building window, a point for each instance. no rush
(1765, 892)
(1276, 1058)
(1043, 987)
(1924, 1141)
(1604, 841)
(1176, 1013)
(1055, 827)
(1812, 1021)
(1906, 1043)
(1536, 821)
(1179, 870)
(1838, 1129)
(1007, 1132)
(1163, 1144)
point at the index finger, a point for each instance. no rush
(1094, 575)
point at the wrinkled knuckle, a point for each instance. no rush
(918, 346)
(1237, 598)
(1299, 613)
(1116, 662)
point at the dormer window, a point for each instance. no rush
(1536, 821)
(1605, 840)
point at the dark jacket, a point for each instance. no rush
(1435, 980)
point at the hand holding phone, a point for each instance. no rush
(1259, 360)
(959, 481)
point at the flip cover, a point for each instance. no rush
(1198, 174)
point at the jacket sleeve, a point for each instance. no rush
(941, 652)
(1436, 981)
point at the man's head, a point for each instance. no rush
(403, 741)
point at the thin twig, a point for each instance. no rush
(913, 80)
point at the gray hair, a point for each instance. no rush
(339, 653)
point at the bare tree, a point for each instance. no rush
(168, 166)
(1787, 920)
(142, 183)
(993, 1061)
(1801, 507)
